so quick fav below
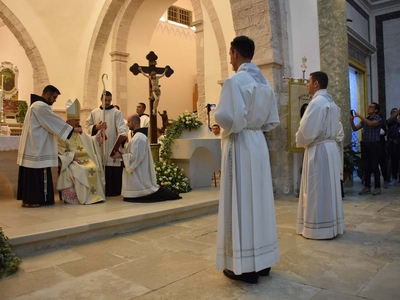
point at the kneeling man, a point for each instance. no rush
(139, 182)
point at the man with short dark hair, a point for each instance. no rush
(370, 148)
(247, 244)
(216, 130)
(113, 127)
(144, 118)
(320, 210)
(38, 151)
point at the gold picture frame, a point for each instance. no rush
(9, 80)
(298, 102)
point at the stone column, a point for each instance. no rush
(200, 70)
(265, 22)
(119, 89)
(333, 45)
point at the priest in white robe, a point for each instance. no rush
(139, 182)
(81, 179)
(37, 151)
(320, 210)
(247, 245)
(115, 130)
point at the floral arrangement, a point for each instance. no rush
(171, 177)
(187, 120)
(9, 261)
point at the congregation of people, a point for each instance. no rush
(247, 242)
(380, 151)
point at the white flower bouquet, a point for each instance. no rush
(171, 177)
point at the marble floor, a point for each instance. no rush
(175, 258)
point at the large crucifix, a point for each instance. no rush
(151, 72)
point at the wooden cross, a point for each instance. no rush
(152, 58)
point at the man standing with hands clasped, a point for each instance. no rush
(247, 245)
(320, 210)
(114, 129)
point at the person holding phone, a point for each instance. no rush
(370, 147)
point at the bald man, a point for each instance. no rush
(139, 182)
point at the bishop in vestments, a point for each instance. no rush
(81, 179)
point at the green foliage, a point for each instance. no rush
(9, 261)
(187, 120)
(171, 177)
(22, 108)
(352, 160)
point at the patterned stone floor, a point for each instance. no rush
(176, 260)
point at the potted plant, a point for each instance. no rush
(351, 162)
(22, 109)
(9, 261)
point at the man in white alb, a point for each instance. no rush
(247, 245)
(139, 178)
(320, 210)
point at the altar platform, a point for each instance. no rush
(33, 229)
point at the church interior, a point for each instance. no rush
(71, 45)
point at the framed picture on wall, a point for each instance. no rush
(298, 102)
(9, 80)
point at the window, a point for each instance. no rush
(179, 15)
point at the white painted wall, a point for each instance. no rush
(391, 29)
(359, 24)
(62, 34)
(11, 51)
(303, 36)
(212, 68)
(174, 46)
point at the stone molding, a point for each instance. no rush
(119, 56)
(170, 29)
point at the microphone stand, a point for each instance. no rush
(208, 106)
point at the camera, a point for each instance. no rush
(209, 106)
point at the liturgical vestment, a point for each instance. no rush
(87, 178)
(247, 237)
(320, 210)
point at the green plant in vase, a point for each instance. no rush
(351, 162)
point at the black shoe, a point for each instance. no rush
(264, 272)
(245, 277)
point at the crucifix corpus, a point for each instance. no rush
(151, 72)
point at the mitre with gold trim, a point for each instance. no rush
(73, 109)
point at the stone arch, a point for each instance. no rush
(40, 76)
(97, 46)
(121, 13)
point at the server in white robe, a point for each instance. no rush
(247, 244)
(139, 182)
(37, 151)
(320, 210)
(115, 128)
(144, 118)
(81, 179)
